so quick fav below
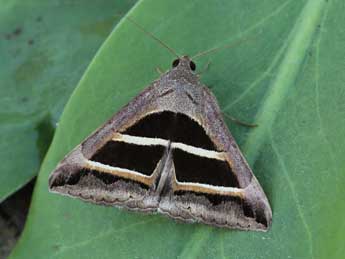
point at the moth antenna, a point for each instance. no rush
(233, 44)
(153, 36)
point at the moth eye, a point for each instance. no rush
(192, 66)
(175, 62)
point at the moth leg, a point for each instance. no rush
(159, 71)
(237, 121)
(205, 68)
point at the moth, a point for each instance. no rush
(168, 151)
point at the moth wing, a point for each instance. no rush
(106, 169)
(219, 191)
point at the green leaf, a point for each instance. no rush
(288, 79)
(44, 49)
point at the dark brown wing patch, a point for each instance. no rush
(175, 127)
(142, 159)
(196, 169)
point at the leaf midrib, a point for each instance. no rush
(301, 37)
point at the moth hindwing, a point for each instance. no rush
(168, 151)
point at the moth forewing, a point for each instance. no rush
(206, 189)
(104, 184)
(93, 172)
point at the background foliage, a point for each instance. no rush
(45, 47)
(288, 79)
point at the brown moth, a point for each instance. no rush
(168, 151)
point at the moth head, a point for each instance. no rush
(184, 62)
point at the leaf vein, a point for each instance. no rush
(317, 95)
(294, 195)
